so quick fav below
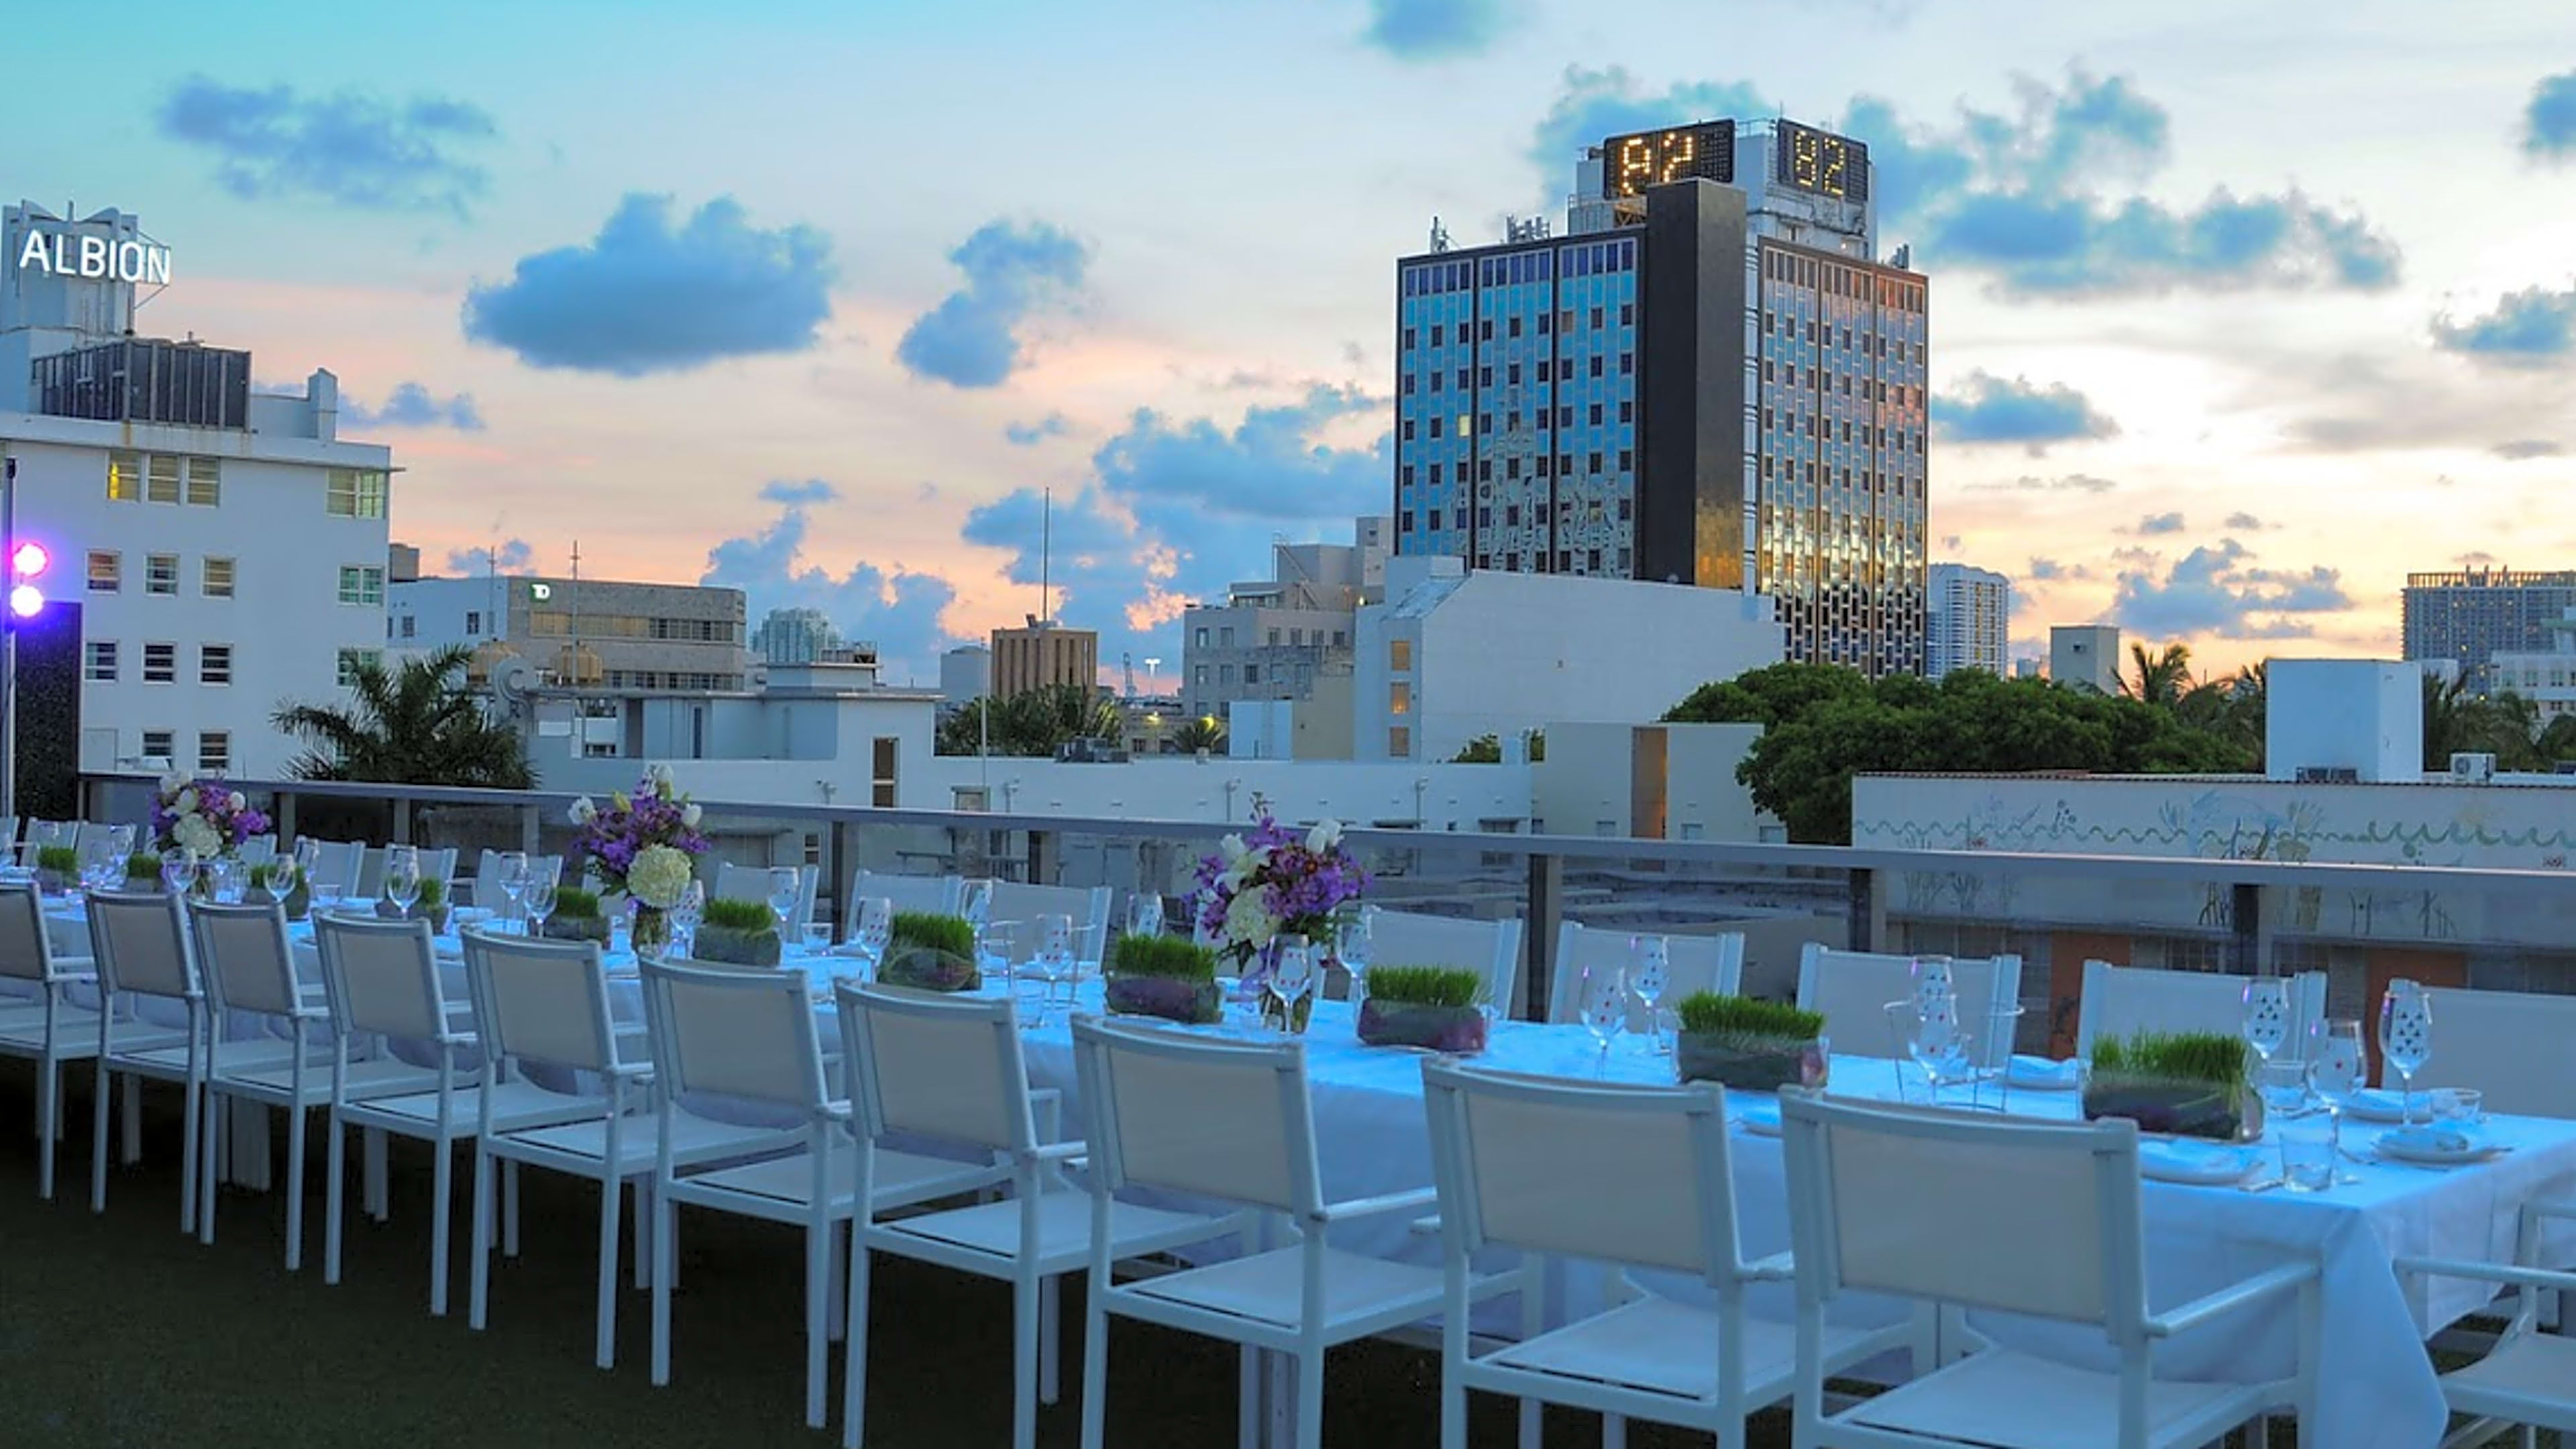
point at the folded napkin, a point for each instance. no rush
(2445, 1141)
(2196, 1157)
(1763, 1118)
(2030, 1071)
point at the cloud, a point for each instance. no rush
(2246, 523)
(1595, 104)
(1029, 435)
(2520, 450)
(2155, 524)
(1012, 269)
(2049, 570)
(349, 148)
(2529, 328)
(2549, 120)
(414, 406)
(1438, 29)
(645, 297)
(2475, 559)
(2029, 483)
(894, 608)
(2213, 591)
(512, 557)
(1989, 409)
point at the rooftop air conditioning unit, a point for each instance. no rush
(2327, 775)
(2472, 769)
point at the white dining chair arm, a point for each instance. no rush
(2506, 1273)
(1424, 1227)
(1781, 1267)
(1410, 1200)
(2242, 1294)
(1068, 1153)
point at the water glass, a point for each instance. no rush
(511, 875)
(1650, 975)
(2406, 1037)
(2307, 1152)
(325, 896)
(179, 871)
(977, 906)
(997, 951)
(1603, 1001)
(228, 880)
(2459, 1106)
(1292, 976)
(308, 857)
(2267, 1015)
(1053, 958)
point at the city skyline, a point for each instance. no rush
(2225, 345)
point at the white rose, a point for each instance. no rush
(583, 812)
(172, 781)
(1232, 848)
(659, 775)
(239, 801)
(690, 815)
(1323, 837)
(187, 801)
(1249, 921)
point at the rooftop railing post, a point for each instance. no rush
(2246, 955)
(1865, 910)
(528, 826)
(402, 821)
(1538, 941)
(839, 872)
(1044, 847)
(284, 800)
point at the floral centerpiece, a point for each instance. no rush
(642, 845)
(1271, 882)
(205, 817)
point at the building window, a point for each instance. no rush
(1225, 636)
(1199, 675)
(158, 745)
(351, 659)
(473, 622)
(161, 478)
(1252, 674)
(884, 751)
(1399, 698)
(1200, 636)
(356, 493)
(206, 482)
(1225, 674)
(1399, 741)
(1399, 652)
(160, 663)
(214, 751)
(216, 579)
(161, 573)
(98, 661)
(1338, 639)
(214, 664)
(362, 585)
(410, 626)
(106, 571)
(125, 477)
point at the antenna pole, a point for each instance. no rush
(1046, 558)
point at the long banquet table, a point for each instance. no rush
(2379, 1389)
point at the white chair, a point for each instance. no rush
(249, 966)
(949, 1069)
(1853, 988)
(488, 894)
(546, 1003)
(751, 1036)
(751, 883)
(258, 849)
(1635, 1176)
(1087, 905)
(2120, 1001)
(92, 832)
(2528, 1377)
(2512, 1046)
(1692, 963)
(935, 895)
(1492, 948)
(336, 863)
(47, 1028)
(1959, 1211)
(1231, 1121)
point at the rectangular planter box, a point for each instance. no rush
(2182, 1109)
(437, 916)
(299, 901)
(144, 885)
(1749, 1064)
(577, 928)
(917, 968)
(1460, 1030)
(1172, 998)
(736, 947)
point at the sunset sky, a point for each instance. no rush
(2239, 312)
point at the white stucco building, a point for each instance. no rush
(227, 548)
(2547, 679)
(1967, 618)
(2085, 656)
(1453, 655)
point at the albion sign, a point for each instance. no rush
(94, 257)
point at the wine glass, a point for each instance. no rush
(2267, 1015)
(1144, 914)
(1292, 976)
(977, 906)
(996, 948)
(1054, 958)
(786, 887)
(283, 871)
(511, 875)
(1933, 981)
(1603, 1001)
(179, 871)
(308, 857)
(875, 933)
(1650, 975)
(402, 876)
(686, 913)
(2336, 1071)
(538, 893)
(102, 868)
(1934, 1039)
(1355, 947)
(2406, 1037)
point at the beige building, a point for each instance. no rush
(1041, 653)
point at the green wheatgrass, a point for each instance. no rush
(1165, 956)
(1425, 986)
(1708, 1013)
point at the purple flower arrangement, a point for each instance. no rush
(655, 814)
(1273, 881)
(206, 816)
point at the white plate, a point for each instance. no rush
(1762, 1121)
(2373, 1105)
(2202, 1164)
(2397, 1147)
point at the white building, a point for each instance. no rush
(2548, 679)
(966, 672)
(2085, 656)
(1454, 655)
(227, 548)
(1967, 619)
(795, 636)
(1273, 638)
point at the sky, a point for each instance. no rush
(2239, 313)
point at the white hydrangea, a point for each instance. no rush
(1248, 920)
(196, 833)
(659, 876)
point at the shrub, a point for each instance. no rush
(575, 903)
(1707, 1013)
(60, 859)
(143, 864)
(734, 914)
(1165, 956)
(2199, 1056)
(433, 893)
(929, 931)
(1449, 986)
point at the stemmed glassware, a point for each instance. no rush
(2336, 1071)
(685, 918)
(2267, 1015)
(511, 874)
(1934, 1039)
(1144, 914)
(1053, 959)
(874, 935)
(1292, 976)
(2406, 1037)
(1355, 946)
(786, 887)
(1650, 975)
(103, 869)
(402, 877)
(1604, 1005)
(179, 871)
(539, 894)
(282, 872)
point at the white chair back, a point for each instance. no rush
(2512, 1046)
(141, 946)
(745, 1034)
(337, 864)
(26, 951)
(2021, 1217)
(1410, 938)
(1692, 963)
(935, 895)
(439, 864)
(542, 1001)
(2121, 1001)
(1636, 1175)
(258, 849)
(244, 953)
(381, 977)
(90, 832)
(751, 883)
(42, 833)
(488, 894)
(1088, 905)
(940, 1066)
(1852, 989)
(1221, 1119)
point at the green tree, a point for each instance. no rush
(2460, 721)
(1207, 732)
(2557, 741)
(1033, 722)
(1488, 749)
(416, 724)
(2158, 678)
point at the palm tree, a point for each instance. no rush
(412, 725)
(1033, 722)
(2459, 721)
(2161, 678)
(1207, 732)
